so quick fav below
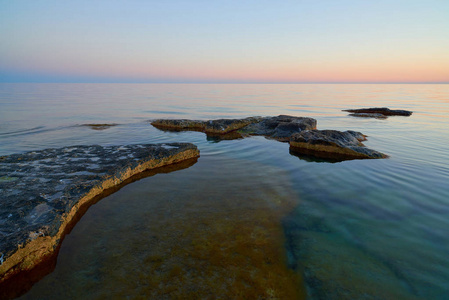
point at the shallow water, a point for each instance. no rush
(354, 229)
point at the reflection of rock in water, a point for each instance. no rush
(333, 268)
(213, 230)
(223, 137)
(309, 156)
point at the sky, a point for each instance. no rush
(204, 41)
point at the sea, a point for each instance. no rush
(249, 219)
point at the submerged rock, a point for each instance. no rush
(337, 268)
(95, 126)
(377, 112)
(279, 128)
(42, 192)
(333, 144)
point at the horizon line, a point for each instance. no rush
(221, 82)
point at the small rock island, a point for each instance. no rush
(300, 132)
(42, 192)
(333, 144)
(378, 112)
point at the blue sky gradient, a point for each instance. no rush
(224, 41)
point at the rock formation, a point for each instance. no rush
(279, 128)
(213, 127)
(41, 192)
(377, 112)
(333, 144)
(299, 131)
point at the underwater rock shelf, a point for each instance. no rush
(41, 192)
(97, 126)
(300, 132)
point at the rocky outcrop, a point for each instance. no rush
(377, 112)
(333, 144)
(301, 132)
(210, 127)
(41, 192)
(224, 126)
(279, 128)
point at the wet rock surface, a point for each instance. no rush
(333, 144)
(40, 191)
(377, 112)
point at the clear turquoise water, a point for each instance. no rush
(357, 229)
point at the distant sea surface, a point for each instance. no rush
(359, 229)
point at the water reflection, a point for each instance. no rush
(311, 156)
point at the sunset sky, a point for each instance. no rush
(200, 41)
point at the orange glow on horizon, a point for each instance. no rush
(254, 71)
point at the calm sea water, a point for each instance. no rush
(248, 214)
